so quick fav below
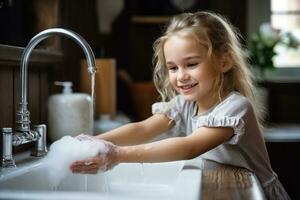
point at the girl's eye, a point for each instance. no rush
(192, 64)
(172, 68)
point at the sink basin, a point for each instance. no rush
(169, 180)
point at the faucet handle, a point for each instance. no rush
(6, 150)
(41, 142)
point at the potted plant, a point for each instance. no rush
(262, 45)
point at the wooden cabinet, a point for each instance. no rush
(39, 76)
(283, 99)
(142, 22)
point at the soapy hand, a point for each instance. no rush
(102, 161)
(84, 137)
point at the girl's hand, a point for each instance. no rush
(102, 161)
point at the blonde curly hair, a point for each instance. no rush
(218, 36)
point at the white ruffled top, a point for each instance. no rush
(246, 148)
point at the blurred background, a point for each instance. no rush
(121, 34)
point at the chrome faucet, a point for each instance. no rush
(23, 134)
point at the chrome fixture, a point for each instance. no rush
(23, 134)
(6, 154)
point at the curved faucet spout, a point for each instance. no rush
(23, 120)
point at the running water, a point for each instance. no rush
(142, 170)
(85, 183)
(106, 184)
(93, 93)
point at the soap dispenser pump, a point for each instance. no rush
(67, 86)
(69, 113)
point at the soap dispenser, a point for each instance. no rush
(69, 113)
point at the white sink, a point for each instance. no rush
(169, 180)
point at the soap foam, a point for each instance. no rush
(67, 150)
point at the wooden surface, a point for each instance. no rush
(11, 56)
(227, 182)
(46, 15)
(6, 91)
(143, 95)
(39, 70)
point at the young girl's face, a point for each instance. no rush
(191, 72)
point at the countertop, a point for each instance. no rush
(229, 182)
(284, 133)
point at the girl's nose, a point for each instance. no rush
(182, 75)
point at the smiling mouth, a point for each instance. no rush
(187, 87)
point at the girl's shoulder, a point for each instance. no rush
(237, 99)
(177, 105)
(233, 104)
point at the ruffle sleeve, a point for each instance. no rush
(235, 112)
(172, 110)
(236, 123)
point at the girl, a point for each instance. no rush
(208, 105)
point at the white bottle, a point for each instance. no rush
(69, 113)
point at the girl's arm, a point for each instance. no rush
(138, 132)
(177, 148)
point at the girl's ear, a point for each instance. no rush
(226, 62)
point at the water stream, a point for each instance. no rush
(142, 171)
(106, 186)
(93, 96)
(54, 188)
(85, 183)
